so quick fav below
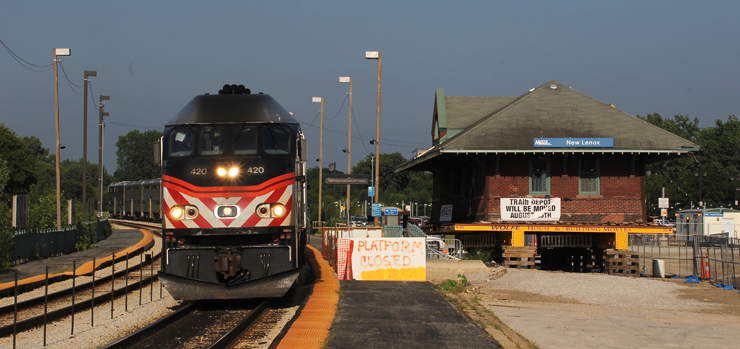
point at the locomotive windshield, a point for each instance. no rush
(276, 140)
(214, 140)
(181, 142)
(211, 141)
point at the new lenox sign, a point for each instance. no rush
(574, 142)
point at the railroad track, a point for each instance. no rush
(35, 312)
(203, 324)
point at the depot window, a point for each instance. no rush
(539, 175)
(588, 172)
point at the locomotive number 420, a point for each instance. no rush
(255, 170)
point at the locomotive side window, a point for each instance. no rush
(211, 141)
(245, 140)
(275, 140)
(181, 142)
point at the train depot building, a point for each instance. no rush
(552, 172)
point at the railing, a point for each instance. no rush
(711, 257)
(43, 243)
(437, 248)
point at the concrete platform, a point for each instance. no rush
(393, 314)
(397, 314)
(60, 267)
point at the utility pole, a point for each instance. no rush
(58, 52)
(379, 56)
(321, 157)
(348, 79)
(87, 74)
(100, 157)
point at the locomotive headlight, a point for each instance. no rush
(278, 210)
(271, 210)
(177, 212)
(233, 172)
(227, 211)
(221, 171)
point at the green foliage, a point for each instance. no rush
(6, 232)
(454, 286)
(135, 156)
(480, 254)
(395, 188)
(85, 226)
(20, 163)
(42, 209)
(712, 175)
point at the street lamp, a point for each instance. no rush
(100, 156)
(58, 52)
(700, 174)
(321, 154)
(348, 79)
(88, 73)
(379, 56)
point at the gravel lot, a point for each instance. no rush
(557, 309)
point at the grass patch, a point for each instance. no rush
(467, 300)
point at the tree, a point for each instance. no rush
(136, 156)
(6, 232)
(20, 163)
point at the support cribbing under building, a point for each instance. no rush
(553, 169)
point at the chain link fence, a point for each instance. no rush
(713, 257)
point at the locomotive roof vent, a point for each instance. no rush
(234, 90)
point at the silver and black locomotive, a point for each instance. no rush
(233, 197)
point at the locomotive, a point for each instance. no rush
(233, 192)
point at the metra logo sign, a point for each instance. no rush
(574, 142)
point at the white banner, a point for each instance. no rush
(400, 259)
(530, 209)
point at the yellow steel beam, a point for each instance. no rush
(563, 228)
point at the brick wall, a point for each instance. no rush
(621, 198)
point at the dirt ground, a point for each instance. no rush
(558, 322)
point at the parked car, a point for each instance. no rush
(665, 222)
(359, 221)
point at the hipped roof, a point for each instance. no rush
(552, 110)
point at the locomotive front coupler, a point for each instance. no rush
(228, 263)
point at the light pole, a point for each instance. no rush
(321, 154)
(88, 73)
(58, 52)
(379, 56)
(700, 174)
(100, 156)
(348, 79)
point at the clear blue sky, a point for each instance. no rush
(152, 57)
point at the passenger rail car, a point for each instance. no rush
(233, 184)
(136, 199)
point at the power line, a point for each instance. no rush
(69, 82)
(24, 63)
(340, 108)
(358, 131)
(132, 126)
(385, 140)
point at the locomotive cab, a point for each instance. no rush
(233, 188)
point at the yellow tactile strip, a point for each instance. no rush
(311, 328)
(88, 267)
